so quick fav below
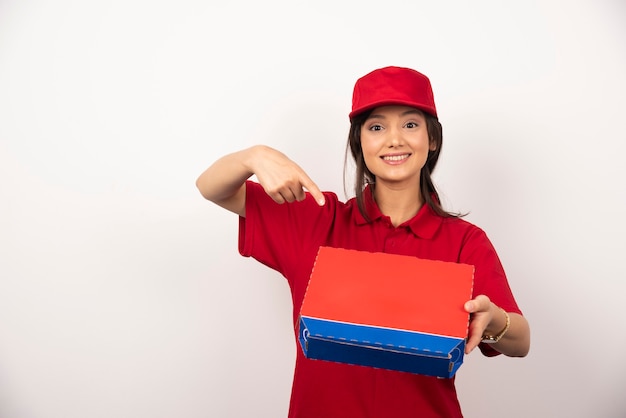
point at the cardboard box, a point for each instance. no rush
(387, 311)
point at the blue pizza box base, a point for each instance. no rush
(385, 348)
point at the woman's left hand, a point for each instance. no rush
(481, 314)
(486, 318)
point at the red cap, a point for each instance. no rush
(393, 86)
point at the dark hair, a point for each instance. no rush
(365, 177)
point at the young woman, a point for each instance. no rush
(395, 139)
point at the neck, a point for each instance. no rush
(400, 204)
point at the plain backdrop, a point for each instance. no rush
(122, 293)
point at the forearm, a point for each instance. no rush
(516, 341)
(223, 182)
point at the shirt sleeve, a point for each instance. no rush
(278, 235)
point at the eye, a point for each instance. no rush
(375, 127)
(411, 125)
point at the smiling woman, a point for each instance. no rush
(405, 87)
(395, 139)
(117, 278)
(396, 146)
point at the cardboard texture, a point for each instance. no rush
(387, 311)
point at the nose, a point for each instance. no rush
(394, 138)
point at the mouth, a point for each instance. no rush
(395, 158)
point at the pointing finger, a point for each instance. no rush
(314, 190)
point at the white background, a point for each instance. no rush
(122, 293)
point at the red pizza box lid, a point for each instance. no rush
(389, 290)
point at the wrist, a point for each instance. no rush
(490, 337)
(252, 155)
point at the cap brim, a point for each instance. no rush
(370, 106)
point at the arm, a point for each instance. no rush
(488, 319)
(223, 182)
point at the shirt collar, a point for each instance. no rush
(424, 224)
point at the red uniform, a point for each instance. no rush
(287, 237)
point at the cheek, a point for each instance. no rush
(369, 151)
(369, 154)
(423, 143)
(366, 145)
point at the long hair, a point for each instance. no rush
(365, 177)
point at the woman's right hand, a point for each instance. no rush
(223, 182)
(281, 178)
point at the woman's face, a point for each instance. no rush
(395, 145)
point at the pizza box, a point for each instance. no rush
(386, 311)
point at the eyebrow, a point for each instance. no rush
(405, 113)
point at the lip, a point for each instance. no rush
(395, 159)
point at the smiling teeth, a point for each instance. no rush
(394, 157)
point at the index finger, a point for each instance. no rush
(313, 189)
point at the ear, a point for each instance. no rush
(432, 146)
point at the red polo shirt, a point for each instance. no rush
(287, 237)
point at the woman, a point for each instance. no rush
(395, 139)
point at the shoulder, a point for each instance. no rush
(470, 237)
(475, 246)
(461, 226)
